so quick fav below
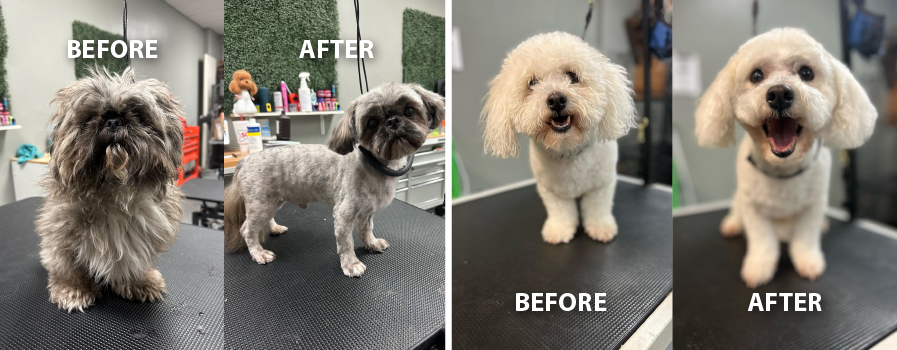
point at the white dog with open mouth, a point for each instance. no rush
(573, 103)
(794, 99)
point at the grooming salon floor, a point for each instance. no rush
(498, 251)
(858, 287)
(302, 298)
(190, 317)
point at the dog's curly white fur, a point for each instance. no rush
(392, 121)
(112, 205)
(787, 92)
(573, 103)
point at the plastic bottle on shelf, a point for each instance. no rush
(283, 127)
(304, 93)
(254, 130)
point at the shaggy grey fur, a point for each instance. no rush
(112, 204)
(392, 121)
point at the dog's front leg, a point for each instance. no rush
(366, 234)
(563, 217)
(149, 287)
(597, 216)
(805, 247)
(343, 223)
(762, 256)
(70, 286)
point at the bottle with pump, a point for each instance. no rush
(304, 93)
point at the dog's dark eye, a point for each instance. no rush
(372, 123)
(409, 112)
(756, 76)
(573, 78)
(532, 82)
(806, 74)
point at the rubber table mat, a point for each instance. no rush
(190, 317)
(858, 290)
(497, 251)
(303, 300)
(204, 190)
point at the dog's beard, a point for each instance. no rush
(392, 145)
(561, 131)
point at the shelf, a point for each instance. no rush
(321, 114)
(10, 127)
(291, 114)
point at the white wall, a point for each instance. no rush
(381, 22)
(38, 65)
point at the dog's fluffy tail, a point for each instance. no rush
(234, 216)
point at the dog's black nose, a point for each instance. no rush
(779, 97)
(557, 101)
(113, 123)
(393, 122)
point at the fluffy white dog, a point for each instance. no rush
(794, 100)
(573, 103)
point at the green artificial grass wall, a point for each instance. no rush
(83, 31)
(423, 48)
(264, 37)
(4, 51)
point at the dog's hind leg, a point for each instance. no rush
(563, 217)
(732, 225)
(366, 234)
(805, 248)
(597, 216)
(343, 223)
(762, 256)
(258, 216)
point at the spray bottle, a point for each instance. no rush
(304, 93)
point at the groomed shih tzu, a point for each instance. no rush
(794, 100)
(573, 103)
(112, 204)
(379, 130)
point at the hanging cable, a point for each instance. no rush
(754, 9)
(359, 60)
(588, 18)
(124, 23)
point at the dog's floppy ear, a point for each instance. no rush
(499, 135)
(853, 118)
(715, 117)
(343, 139)
(620, 114)
(435, 104)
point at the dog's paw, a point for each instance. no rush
(354, 269)
(71, 298)
(603, 232)
(809, 264)
(278, 229)
(731, 226)
(555, 232)
(150, 288)
(262, 256)
(379, 245)
(758, 270)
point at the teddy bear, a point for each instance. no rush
(243, 88)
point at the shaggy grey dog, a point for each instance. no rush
(391, 121)
(112, 204)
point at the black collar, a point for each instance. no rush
(787, 176)
(384, 169)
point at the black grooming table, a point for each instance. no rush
(497, 251)
(206, 190)
(190, 317)
(303, 300)
(858, 290)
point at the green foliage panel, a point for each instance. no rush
(83, 31)
(4, 51)
(264, 37)
(423, 48)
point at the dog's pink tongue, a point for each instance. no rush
(782, 133)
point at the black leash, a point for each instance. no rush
(124, 23)
(359, 60)
(788, 176)
(588, 18)
(384, 169)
